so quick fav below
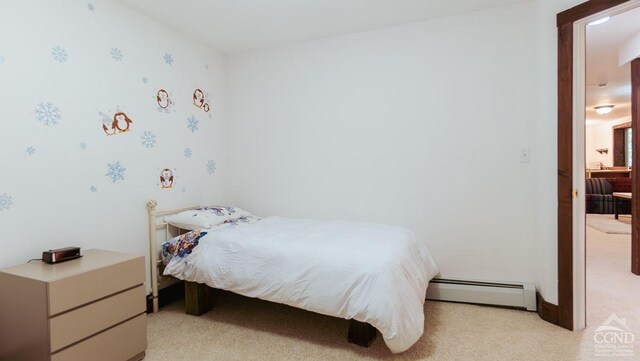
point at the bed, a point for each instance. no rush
(374, 275)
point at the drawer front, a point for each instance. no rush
(120, 343)
(89, 320)
(83, 288)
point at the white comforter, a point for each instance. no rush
(369, 272)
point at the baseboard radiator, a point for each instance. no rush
(514, 295)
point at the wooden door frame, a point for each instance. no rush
(635, 165)
(565, 23)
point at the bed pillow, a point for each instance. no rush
(205, 217)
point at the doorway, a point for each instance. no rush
(571, 159)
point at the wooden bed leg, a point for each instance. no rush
(361, 334)
(197, 298)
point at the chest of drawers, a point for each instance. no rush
(91, 308)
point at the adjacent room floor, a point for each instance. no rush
(248, 329)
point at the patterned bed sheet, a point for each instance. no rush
(182, 246)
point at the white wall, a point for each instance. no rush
(590, 141)
(351, 127)
(51, 201)
(417, 125)
(630, 50)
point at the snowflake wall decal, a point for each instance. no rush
(5, 201)
(91, 7)
(93, 189)
(31, 150)
(145, 80)
(83, 145)
(115, 171)
(168, 59)
(148, 139)
(211, 167)
(192, 123)
(59, 54)
(116, 54)
(48, 114)
(187, 153)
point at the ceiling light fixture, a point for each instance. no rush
(599, 21)
(604, 109)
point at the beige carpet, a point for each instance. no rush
(248, 329)
(608, 224)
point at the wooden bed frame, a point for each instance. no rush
(199, 298)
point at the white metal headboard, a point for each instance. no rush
(156, 224)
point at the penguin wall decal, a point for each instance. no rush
(120, 123)
(198, 98)
(201, 99)
(166, 178)
(107, 124)
(165, 103)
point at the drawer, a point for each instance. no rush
(83, 322)
(120, 343)
(82, 288)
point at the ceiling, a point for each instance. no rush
(237, 25)
(603, 42)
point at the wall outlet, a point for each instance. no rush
(525, 155)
